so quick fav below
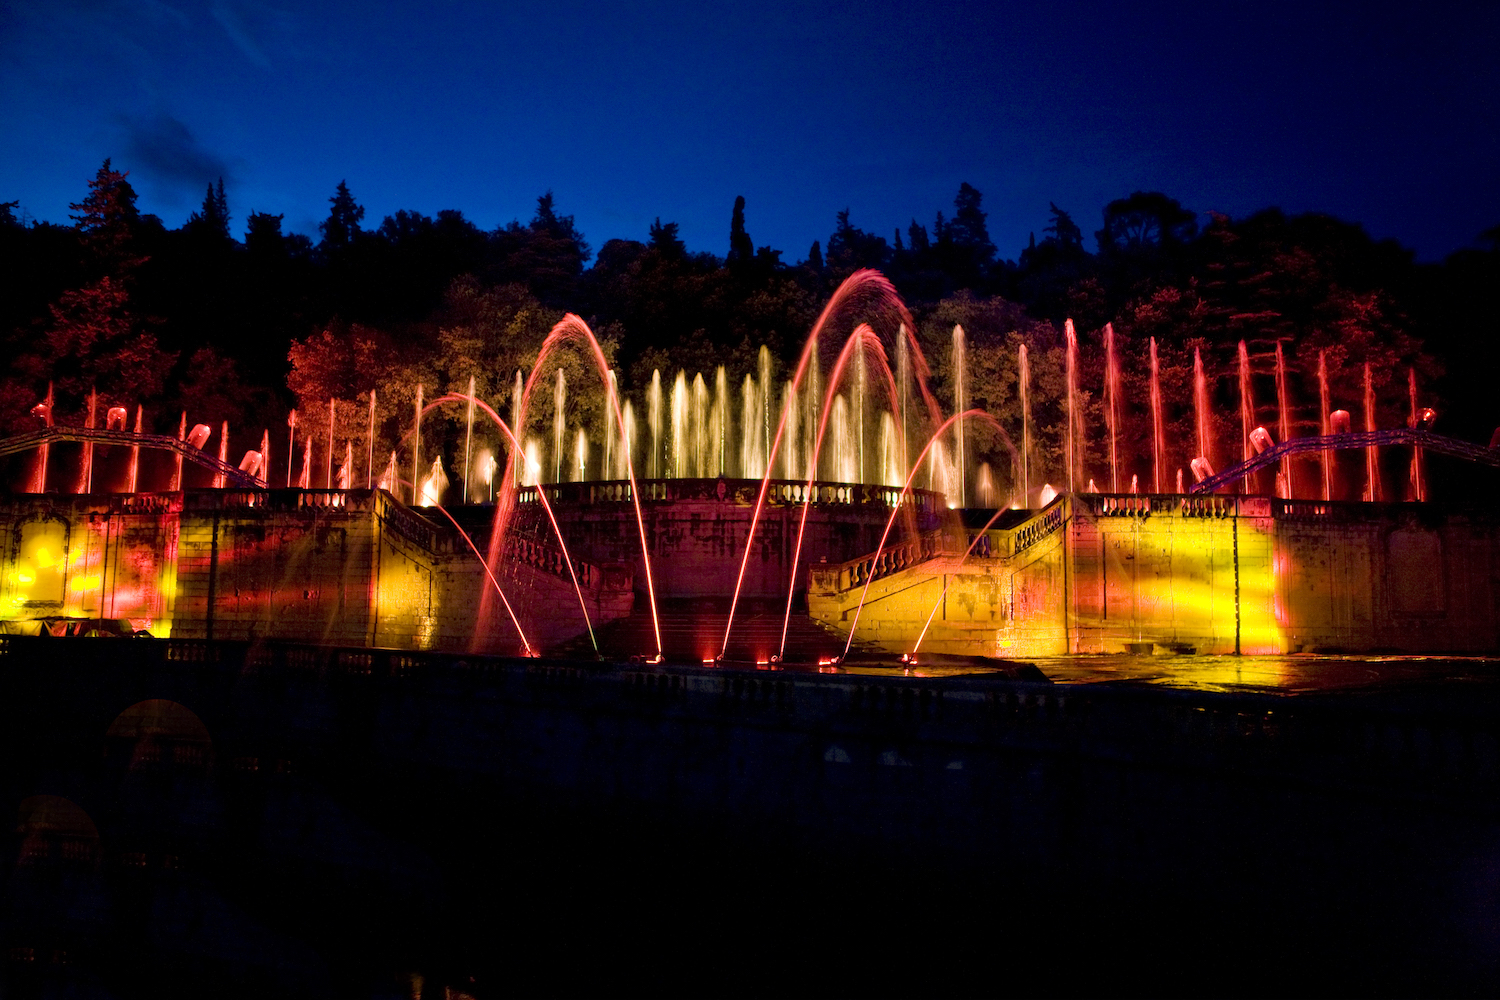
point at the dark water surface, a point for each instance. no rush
(350, 823)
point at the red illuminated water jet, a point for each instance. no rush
(525, 645)
(948, 581)
(458, 397)
(861, 283)
(571, 327)
(864, 341)
(905, 490)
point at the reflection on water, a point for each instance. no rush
(1291, 674)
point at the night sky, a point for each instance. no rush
(1384, 115)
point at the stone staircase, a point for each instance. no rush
(901, 585)
(692, 630)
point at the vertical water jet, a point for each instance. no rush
(749, 430)
(859, 413)
(177, 456)
(517, 395)
(721, 422)
(680, 445)
(1070, 371)
(1247, 412)
(1200, 411)
(328, 456)
(1023, 365)
(219, 481)
(559, 425)
(370, 449)
(701, 429)
(627, 439)
(86, 474)
(607, 470)
(1158, 429)
(416, 447)
(135, 450)
(653, 421)
(1284, 421)
(903, 382)
(763, 363)
(960, 363)
(1324, 410)
(1372, 453)
(789, 410)
(1112, 405)
(1418, 484)
(845, 462)
(469, 442)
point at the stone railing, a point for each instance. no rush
(994, 543)
(779, 492)
(1050, 518)
(146, 503)
(549, 559)
(855, 573)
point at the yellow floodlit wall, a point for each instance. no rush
(1216, 574)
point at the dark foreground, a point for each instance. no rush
(374, 823)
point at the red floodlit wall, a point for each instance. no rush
(325, 566)
(696, 529)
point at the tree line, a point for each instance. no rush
(241, 323)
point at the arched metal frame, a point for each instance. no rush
(1414, 436)
(162, 442)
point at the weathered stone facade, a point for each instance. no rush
(1214, 574)
(340, 567)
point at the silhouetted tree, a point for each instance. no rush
(263, 234)
(967, 231)
(664, 240)
(1145, 219)
(851, 248)
(741, 249)
(107, 219)
(1051, 275)
(213, 218)
(342, 225)
(916, 234)
(547, 254)
(1062, 227)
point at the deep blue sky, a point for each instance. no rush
(1386, 116)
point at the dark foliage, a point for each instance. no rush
(120, 303)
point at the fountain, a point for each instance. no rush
(839, 444)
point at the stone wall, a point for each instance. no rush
(696, 529)
(1211, 574)
(341, 567)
